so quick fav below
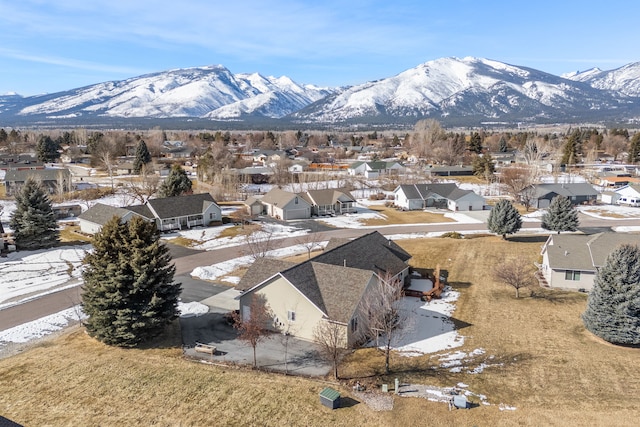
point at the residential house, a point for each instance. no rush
(375, 168)
(327, 288)
(20, 162)
(332, 201)
(67, 211)
(571, 261)
(52, 180)
(92, 220)
(629, 195)
(449, 170)
(283, 205)
(175, 150)
(437, 195)
(169, 213)
(578, 193)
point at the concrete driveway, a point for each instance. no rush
(302, 357)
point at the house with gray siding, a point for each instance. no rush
(571, 261)
(437, 195)
(579, 193)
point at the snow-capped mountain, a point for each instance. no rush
(212, 92)
(468, 87)
(466, 91)
(624, 80)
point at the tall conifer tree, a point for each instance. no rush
(504, 219)
(176, 184)
(613, 306)
(129, 294)
(143, 156)
(33, 222)
(560, 216)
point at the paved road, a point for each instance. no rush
(186, 260)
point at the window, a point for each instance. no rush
(212, 215)
(291, 316)
(354, 324)
(571, 275)
(296, 201)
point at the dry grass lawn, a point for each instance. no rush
(393, 216)
(552, 370)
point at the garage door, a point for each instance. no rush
(298, 213)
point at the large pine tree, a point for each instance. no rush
(143, 156)
(47, 149)
(504, 219)
(33, 222)
(129, 294)
(560, 216)
(176, 184)
(613, 306)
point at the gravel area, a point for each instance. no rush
(375, 400)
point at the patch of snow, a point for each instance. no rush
(192, 309)
(41, 327)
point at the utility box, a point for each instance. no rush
(460, 401)
(330, 398)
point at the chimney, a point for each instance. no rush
(566, 253)
(344, 262)
(389, 241)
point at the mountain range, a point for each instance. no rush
(456, 91)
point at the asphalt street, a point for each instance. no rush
(186, 260)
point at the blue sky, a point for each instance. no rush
(54, 45)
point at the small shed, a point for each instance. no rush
(330, 398)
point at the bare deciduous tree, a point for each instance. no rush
(515, 272)
(254, 329)
(310, 242)
(381, 315)
(332, 339)
(259, 243)
(518, 179)
(145, 185)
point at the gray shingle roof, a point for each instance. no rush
(326, 197)
(585, 252)
(334, 288)
(101, 214)
(424, 191)
(567, 190)
(261, 270)
(372, 252)
(172, 207)
(277, 197)
(43, 174)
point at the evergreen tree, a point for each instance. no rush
(634, 149)
(176, 184)
(504, 219)
(613, 306)
(142, 157)
(129, 295)
(503, 144)
(33, 222)
(483, 166)
(475, 143)
(47, 149)
(570, 149)
(560, 216)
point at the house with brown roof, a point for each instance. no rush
(52, 180)
(284, 205)
(332, 201)
(571, 261)
(327, 288)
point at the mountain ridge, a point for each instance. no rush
(448, 89)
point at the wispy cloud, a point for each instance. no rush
(69, 63)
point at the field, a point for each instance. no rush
(394, 216)
(543, 361)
